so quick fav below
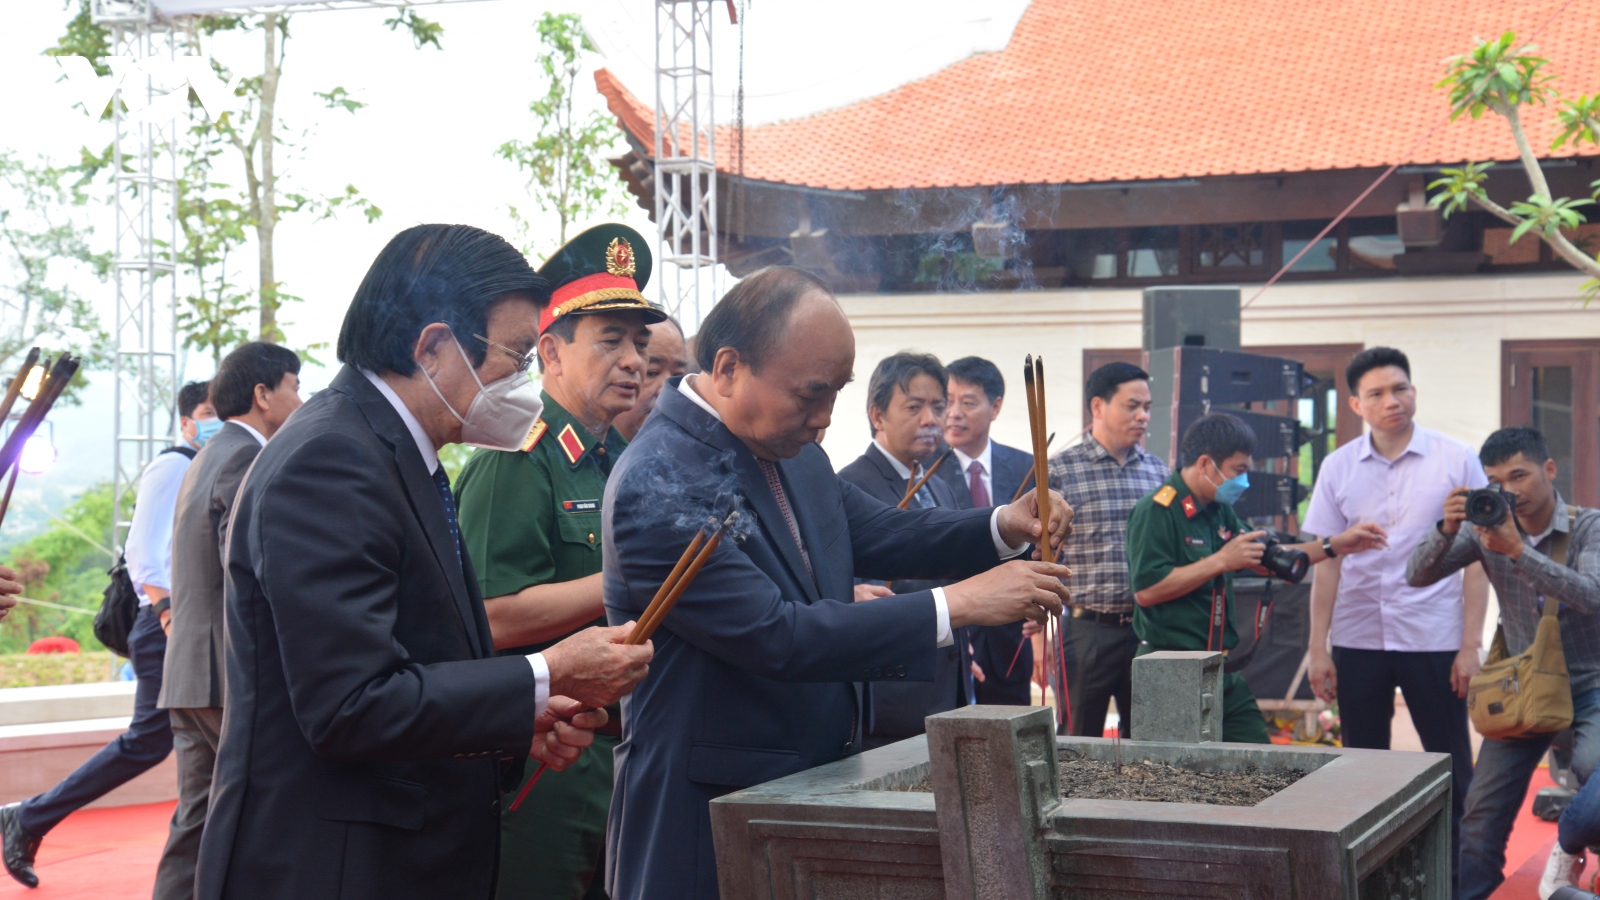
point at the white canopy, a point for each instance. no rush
(194, 7)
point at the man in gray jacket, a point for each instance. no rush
(254, 391)
(1546, 552)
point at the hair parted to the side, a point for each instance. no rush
(1105, 381)
(233, 388)
(1219, 436)
(752, 316)
(981, 372)
(427, 274)
(1374, 358)
(191, 395)
(896, 372)
(1508, 442)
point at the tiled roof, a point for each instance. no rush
(1112, 90)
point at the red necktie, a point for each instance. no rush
(980, 494)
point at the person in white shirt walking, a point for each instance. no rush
(1385, 634)
(148, 739)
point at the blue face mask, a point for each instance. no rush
(205, 430)
(1232, 489)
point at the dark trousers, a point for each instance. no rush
(195, 733)
(147, 741)
(1500, 785)
(1099, 667)
(1367, 680)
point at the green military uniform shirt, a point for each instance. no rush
(1169, 529)
(532, 517)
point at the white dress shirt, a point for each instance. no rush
(985, 459)
(943, 636)
(149, 546)
(430, 458)
(260, 438)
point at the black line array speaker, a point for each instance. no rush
(1191, 317)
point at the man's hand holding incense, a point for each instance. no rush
(1019, 521)
(595, 667)
(1020, 589)
(563, 730)
(10, 587)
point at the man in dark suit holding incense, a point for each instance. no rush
(905, 404)
(370, 727)
(753, 678)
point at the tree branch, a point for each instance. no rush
(1530, 162)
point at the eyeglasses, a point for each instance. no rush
(524, 360)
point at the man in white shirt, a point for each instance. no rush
(148, 740)
(1385, 634)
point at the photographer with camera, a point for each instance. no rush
(1185, 543)
(1536, 550)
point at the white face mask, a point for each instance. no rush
(502, 414)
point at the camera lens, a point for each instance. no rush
(1488, 507)
(1285, 562)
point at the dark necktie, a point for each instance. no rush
(441, 479)
(769, 469)
(980, 493)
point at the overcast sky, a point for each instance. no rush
(423, 149)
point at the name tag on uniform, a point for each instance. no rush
(1194, 541)
(578, 506)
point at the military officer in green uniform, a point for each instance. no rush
(1185, 543)
(531, 523)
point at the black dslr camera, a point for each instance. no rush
(1283, 560)
(1488, 507)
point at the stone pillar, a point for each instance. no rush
(1177, 696)
(989, 763)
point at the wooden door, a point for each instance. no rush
(1554, 386)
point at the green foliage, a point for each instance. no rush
(1547, 215)
(1459, 187)
(1494, 76)
(453, 457)
(422, 31)
(339, 98)
(84, 38)
(36, 669)
(1580, 121)
(62, 566)
(960, 269)
(567, 171)
(45, 253)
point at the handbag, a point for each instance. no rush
(114, 620)
(1530, 693)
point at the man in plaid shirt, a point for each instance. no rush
(1102, 476)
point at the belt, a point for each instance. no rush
(1121, 620)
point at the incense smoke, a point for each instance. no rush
(966, 239)
(673, 496)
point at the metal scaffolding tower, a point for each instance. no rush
(685, 155)
(145, 198)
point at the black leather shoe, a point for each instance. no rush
(17, 846)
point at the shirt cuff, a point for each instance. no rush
(541, 682)
(942, 635)
(1005, 550)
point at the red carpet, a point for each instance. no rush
(104, 854)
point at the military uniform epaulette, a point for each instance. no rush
(1164, 496)
(535, 434)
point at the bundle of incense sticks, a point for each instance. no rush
(1033, 379)
(694, 558)
(913, 486)
(50, 389)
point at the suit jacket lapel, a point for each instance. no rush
(752, 482)
(422, 492)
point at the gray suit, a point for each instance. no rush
(192, 684)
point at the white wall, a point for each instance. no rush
(1450, 327)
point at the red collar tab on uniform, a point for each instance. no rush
(1190, 510)
(570, 443)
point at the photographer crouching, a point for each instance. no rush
(1537, 550)
(1185, 543)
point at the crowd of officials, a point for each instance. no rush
(359, 663)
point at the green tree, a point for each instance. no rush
(1502, 78)
(45, 257)
(64, 566)
(567, 170)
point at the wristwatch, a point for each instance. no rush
(1327, 547)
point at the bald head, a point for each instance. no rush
(774, 378)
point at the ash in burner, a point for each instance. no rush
(1090, 779)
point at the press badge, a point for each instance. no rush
(579, 506)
